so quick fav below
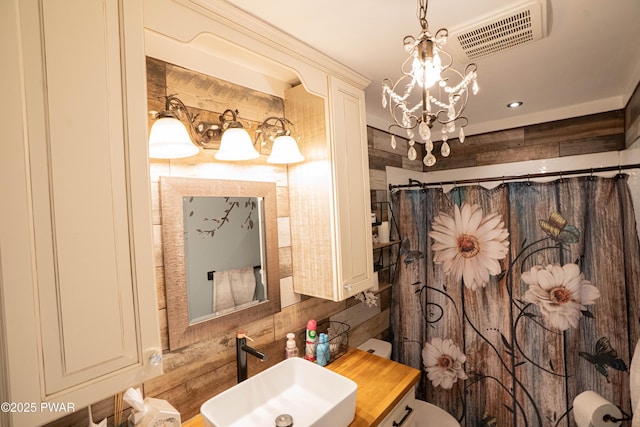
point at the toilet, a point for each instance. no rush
(427, 414)
(377, 347)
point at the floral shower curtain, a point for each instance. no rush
(513, 300)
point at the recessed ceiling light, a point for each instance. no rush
(514, 104)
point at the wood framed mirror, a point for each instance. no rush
(221, 264)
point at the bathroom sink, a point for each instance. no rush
(311, 394)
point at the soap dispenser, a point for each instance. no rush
(291, 350)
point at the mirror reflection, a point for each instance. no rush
(223, 247)
(220, 253)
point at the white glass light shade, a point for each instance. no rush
(169, 139)
(285, 150)
(236, 144)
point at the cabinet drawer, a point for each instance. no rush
(403, 414)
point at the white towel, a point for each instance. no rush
(243, 285)
(222, 295)
(634, 385)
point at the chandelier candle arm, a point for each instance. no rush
(429, 66)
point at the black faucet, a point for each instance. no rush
(241, 354)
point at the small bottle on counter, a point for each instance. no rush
(291, 350)
(311, 339)
(323, 352)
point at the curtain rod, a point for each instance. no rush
(416, 183)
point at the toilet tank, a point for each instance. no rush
(377, 347)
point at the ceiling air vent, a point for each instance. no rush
(498, 32)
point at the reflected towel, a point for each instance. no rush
(243, 285)
(222, 295)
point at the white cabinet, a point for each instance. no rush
(403, 414)
(78, 306)
(329, 193)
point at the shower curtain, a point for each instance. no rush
(513, 300)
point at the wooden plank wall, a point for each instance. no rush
(632, 119)
(197, 372)
(594, 133)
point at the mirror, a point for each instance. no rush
(223, 254)
(221, 262)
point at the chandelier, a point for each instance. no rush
(440, 95)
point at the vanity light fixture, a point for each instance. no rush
(441, 92)
(175, 134)
(169, 138)
(236, 143)
(285, 147)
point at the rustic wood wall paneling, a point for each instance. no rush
(283, 202)
(377, 180)
(632, 118)
(594, 133)
(381, 154)
(286, 268)
(375, 326)
(210, 94)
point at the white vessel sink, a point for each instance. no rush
(311, 394)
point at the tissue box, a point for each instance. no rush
(159, 413)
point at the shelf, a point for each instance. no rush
(385, 255)
(385, 245)
(382, 287)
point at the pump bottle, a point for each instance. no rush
(291, 350)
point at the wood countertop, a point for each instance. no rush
(381, 385)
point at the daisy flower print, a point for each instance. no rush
(443, 362)
(561, 293)
(469, 245)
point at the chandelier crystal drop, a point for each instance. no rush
(445, 150)
(429, 91)
(412, 154)
(429, 159)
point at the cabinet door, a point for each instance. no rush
(90, 316)
(329, 195)
(352, 195)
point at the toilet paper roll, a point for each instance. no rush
(383, 232)
(590, 409)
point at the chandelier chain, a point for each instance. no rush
(441, 92)
(422, 14)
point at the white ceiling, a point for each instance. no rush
(588, 63)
